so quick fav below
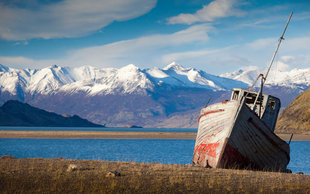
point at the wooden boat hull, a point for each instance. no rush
(231, 135)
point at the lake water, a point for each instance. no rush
(136, 150)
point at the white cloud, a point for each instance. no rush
(138, 50)
(281, 66)
(287, 58)
(24, 62)
(15, 60)
(67, 18)
(261, 43)
(295, 54)
(215, 9)
(284, 63)
(165, 48)
(162, 49)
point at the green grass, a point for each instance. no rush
(52, 176)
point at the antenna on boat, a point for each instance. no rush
(275, 52)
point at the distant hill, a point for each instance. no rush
(15, 113)
(296, 116)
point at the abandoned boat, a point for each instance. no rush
(240, 133)
(233, 133)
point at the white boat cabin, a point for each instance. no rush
(266, 107)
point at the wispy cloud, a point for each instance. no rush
(68, 18)
(24, 62)
(302, 16)
(147, 48)
(139, 49)
(294, 53)
(215, 9)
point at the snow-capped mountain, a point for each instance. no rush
(246, 74)
(91, 80)
(294, 78)
(155, 97)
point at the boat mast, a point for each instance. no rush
(275, 52)
(274, 55)
(263, 78)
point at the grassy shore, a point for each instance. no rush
(116, 135)
(88, 176)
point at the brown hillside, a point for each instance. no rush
(296, 117)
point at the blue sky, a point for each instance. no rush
(216, 36)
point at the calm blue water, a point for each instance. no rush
(97, 129)
(136, 150)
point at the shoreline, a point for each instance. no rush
(117, 135)
(94, 135)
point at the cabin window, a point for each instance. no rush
(250, 98)
(235, 96)
(272, 104)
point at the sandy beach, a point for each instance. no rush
(95, 135)
(115, 135)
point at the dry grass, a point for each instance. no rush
(52, 176)
(295, 118)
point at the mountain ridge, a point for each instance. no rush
(128, 79)
(293, 78)
(152, 97)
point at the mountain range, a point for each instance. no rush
(152, 97)
(295, 78)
